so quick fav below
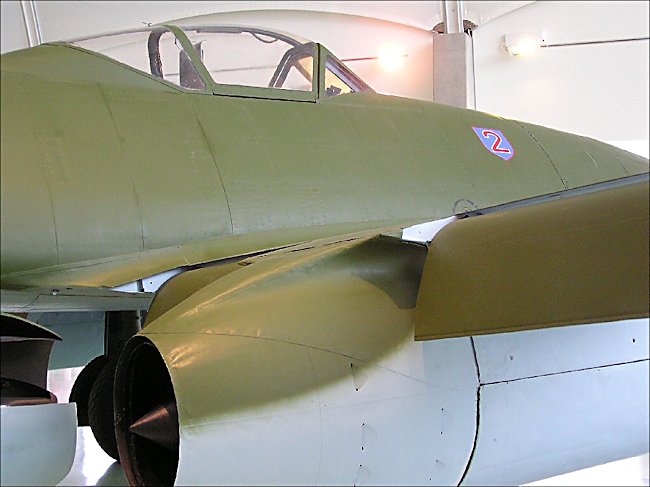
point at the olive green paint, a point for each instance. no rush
(582, 259)
(113, 271)
(256, 329)
(581, 161)
(183, 286)
(110, 175)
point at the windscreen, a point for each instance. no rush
(253, 57)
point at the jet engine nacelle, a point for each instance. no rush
(248, 374)
(248, 391)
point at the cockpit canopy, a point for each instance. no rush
(231, 60)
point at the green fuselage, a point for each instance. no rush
(100, 162)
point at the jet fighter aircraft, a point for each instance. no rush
(307, 282)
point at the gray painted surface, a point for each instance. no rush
(453, 70)
(82, 333)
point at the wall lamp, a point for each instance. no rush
(524, 43)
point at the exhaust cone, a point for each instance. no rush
(160, 425)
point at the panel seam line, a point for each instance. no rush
(564, 183)
(214, 160)
(551, 374)
(478, 411)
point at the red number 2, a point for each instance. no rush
(496, 146)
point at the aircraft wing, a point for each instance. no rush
(580, 259)
(128, 282)
(26, 299)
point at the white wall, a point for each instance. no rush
(13, 34)
(597, 89)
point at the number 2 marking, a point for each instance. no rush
(495, 142)
(496, 146)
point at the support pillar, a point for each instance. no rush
(453, 60)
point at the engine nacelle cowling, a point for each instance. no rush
(265, 369)
(256, 377)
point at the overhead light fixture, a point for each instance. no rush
(524, 43)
